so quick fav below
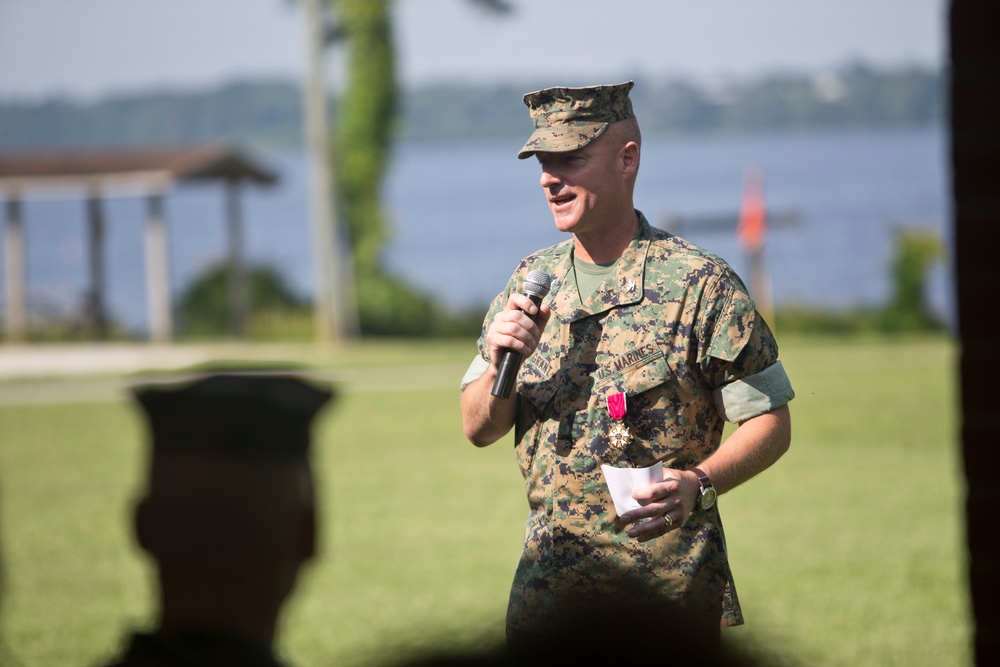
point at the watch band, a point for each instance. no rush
(708, 494)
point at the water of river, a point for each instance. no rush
(463, 213)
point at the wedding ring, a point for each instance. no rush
(669, 521)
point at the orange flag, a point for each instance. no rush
(752, 223)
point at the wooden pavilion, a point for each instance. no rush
(96, 174)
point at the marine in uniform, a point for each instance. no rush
(228, 514)
(644, 347)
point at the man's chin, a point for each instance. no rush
(565, 224)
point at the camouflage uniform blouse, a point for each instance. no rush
(671, 325)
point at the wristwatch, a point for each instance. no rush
(708, 494)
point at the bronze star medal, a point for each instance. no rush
(618, 434)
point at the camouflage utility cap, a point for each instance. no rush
(570, 118)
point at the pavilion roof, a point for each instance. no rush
(214, 161)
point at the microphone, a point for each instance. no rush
(536, 286)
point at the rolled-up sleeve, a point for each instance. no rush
(474, 372)
(755, 394)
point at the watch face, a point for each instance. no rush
(707, 498)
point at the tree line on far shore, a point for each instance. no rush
(268, 113)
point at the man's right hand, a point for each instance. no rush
(517, 327)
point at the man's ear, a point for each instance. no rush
(630, 159)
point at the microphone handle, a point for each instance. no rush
(510, 363)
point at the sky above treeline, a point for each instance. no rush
(87, 49)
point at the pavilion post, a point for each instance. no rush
(95, 310)
(14, 273)
(161, 326)
(238, 296)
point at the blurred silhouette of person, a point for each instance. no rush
(228, 516)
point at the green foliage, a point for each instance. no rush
(364, 131)
(449, 111)
(906, 311)
(801, 320)
(856, 95)
(269, 112)
(852, 96)
(264, 112)
(390, 307)
(366, 123)
(281, 324)
(916, 252)
(74, 330)
(366, 115)
(54, 324)
(274, 311)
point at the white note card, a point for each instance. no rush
(621, 482)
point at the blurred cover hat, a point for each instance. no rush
(253, 416)
(570, 118)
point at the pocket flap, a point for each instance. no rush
(650, 371)
(538, 383)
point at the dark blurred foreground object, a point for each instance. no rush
(974, 114)
(229, 515)
(639, 630)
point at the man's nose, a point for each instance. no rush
(548, 178)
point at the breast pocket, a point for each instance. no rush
(655, 408)
(538, 383)
(637, 378)
(537, 389)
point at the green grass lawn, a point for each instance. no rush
(848, 552)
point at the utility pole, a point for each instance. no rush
(329, 307)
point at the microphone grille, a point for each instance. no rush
(537, 283)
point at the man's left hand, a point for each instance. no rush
(666, 505)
